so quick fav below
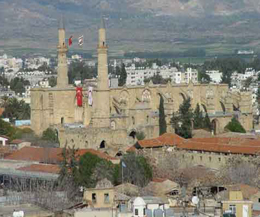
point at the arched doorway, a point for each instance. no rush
(214, 124)
(132, 134)
(119, 154)
(102, 144)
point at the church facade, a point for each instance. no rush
(115, 115)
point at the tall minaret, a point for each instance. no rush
(102, 58)
(62, 80)
(101, 99)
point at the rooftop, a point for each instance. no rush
(50, 155)
(234, 145)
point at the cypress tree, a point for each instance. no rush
(162, 121)
(123, 75)
(198, 118)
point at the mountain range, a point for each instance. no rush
(218, 26)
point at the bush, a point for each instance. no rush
(50, 135)
(235, 126)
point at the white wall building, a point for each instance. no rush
(137, 75)
(215, 76)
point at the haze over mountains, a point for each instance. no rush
(133, 25)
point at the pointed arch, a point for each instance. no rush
(223, 106)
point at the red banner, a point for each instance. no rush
(79, 96)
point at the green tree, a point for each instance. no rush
(197, 118)
(6, 129)
(123, 76)
(18, 85)
(140, 135)
(248, 81)
(235, 126)
(16, 110)
(89, 173)
(207, 123)
(182, 120)
(137, 170)
(50, 135)
(162, 121)
(203, 77)
(52, 81)
(77, 69)
(157, 79)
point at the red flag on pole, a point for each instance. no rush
(70, 40)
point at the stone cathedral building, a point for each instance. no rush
(117, 114)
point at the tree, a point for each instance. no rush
(16, 110)
(162, 121)
(52, 81)
(6, 129)
(68, 175)
(18, 85)
(140, 135)
(182, 120)
(207, 123)
(89, 173)
(198, 118)
(157, 79)
(235, 126)
(123, 76)
(50, 135)
(248, 81)
(137, 171)
(203, 77)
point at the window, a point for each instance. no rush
(144, 211)
(136, 211)
(219, 159)
(210, 159)
(192, 157)
(106, 198)
(258, 200)
(200, 158)
(94, 198)
(232, 208)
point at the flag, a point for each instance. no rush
(123, 164)
(81, 40)
(70, 40)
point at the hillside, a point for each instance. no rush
(133, 25)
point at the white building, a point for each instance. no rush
(151, 206)
(215, 76)
(137, 75)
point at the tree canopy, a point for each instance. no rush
(162, 121)
(182, 120)
(235, 126)
(15, 109)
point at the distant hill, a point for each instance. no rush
(133, 25)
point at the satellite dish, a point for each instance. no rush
(195, 200)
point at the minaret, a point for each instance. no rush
(62, 80)
(102, 58)
(101, 99)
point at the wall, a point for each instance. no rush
(100, 203)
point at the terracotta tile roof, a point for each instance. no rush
(214, 144)
(237, 148)
(44, 168)
(167, 139)
(16, 141)
(49, 155)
